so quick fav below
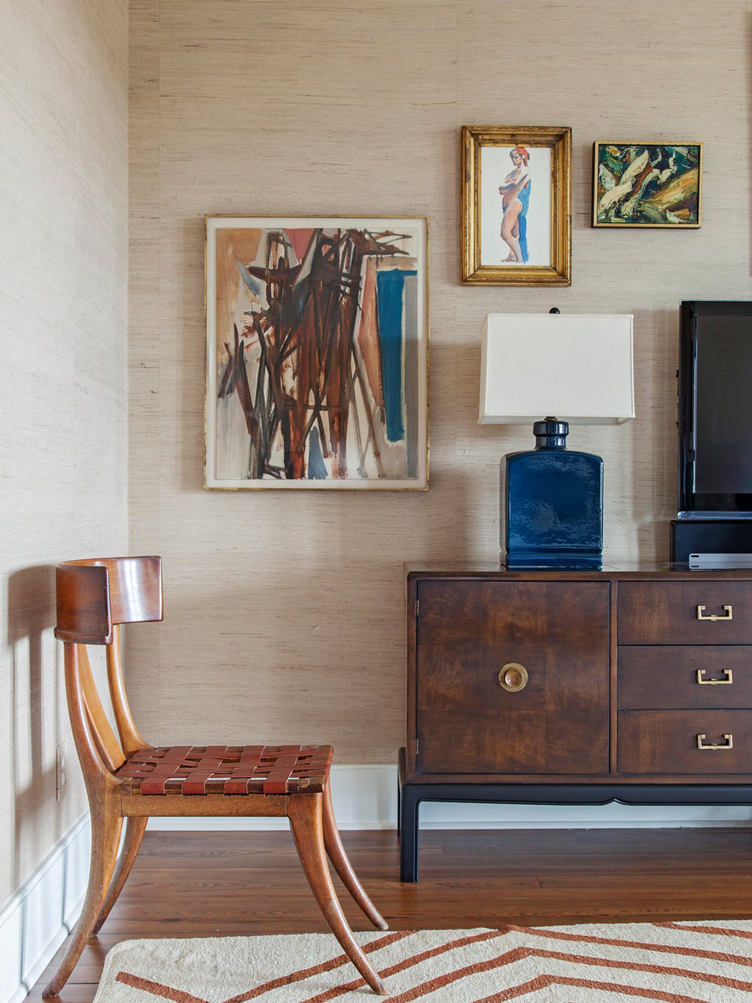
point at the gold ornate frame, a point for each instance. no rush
(559, 141)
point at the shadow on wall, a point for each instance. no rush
(34, 703)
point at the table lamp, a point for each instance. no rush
(555, 370)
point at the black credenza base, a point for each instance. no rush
(412, 793)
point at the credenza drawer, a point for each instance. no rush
(702, 612)
(684, 741)
(684, 676)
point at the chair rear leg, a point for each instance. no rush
(106, 826)
(305, 812)
(342, 865)
(134, 833)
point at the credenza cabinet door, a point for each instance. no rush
(512, 677)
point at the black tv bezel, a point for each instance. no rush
(689, 500)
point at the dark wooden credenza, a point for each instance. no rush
(575, 687)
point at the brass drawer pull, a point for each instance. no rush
(714, 616)
(513, 677)
(729, 743)
(715, 682)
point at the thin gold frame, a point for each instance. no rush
(559, 140)
(308, 486)
(646, 226)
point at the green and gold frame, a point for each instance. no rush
(647, 184)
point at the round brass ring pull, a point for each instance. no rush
(513, 677)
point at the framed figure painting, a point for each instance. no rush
(316, 353)
(516, 205)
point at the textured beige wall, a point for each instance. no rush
(285, 610)
(63, 279)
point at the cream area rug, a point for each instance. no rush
(709, 962)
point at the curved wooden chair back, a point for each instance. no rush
(94, 598)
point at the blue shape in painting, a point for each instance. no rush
(316, 467)
(524, 198)
(390, 285)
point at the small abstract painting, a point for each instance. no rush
(317, 353)
(647, 184)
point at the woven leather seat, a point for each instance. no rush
(227, 769)
(127, 780)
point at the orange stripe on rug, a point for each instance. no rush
(410, 962)
(690, 952)
(325, 966)
(717, 930)
(178, 996)
(157, 989)
(544, 981)
(520, 953)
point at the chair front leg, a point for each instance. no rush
(135, 826)
(342, 865)
(106, 826)
(305, 812)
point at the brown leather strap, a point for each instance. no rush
(227, 770)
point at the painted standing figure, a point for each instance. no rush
(515, 199)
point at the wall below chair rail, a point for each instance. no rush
(41, 913)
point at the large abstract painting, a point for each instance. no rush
(317, 353)
(647, 184)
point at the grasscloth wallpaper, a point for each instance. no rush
(284, 611)
(63, 446)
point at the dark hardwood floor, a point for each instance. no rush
(197, 884)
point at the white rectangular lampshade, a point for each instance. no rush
(577, 368)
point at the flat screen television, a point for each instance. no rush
(715, 410)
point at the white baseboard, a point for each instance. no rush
(38, 917)
(365, 797)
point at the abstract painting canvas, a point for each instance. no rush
(647, 184)
(317, 353)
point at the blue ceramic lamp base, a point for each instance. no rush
(554, 503)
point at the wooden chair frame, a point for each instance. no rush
(94, 598)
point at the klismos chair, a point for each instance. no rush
(129, 779)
